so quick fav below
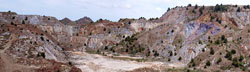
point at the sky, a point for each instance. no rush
(105, 9)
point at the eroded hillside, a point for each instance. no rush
(199, 38)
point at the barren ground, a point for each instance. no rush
(97, 63)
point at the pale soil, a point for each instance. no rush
(97, 63)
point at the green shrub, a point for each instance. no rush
(241, 58)
(212, 17)
(217, 42)
(41, 54)
(106, 47)
(170, 53)
(244, 69)
(42, 38)
(130, 39)
(104, 29)
(193, 11)
(148, 53)
(238, 9)
(208, 63)
(201, 10)
(200, 42)
(193, 64)
(189, 5)
(212, 51)
(223, 39)
(70, 63)
(218, 20)
(169, 59)
(228, 56)
(98, 51)
(156, 53)
(233, 51)
(23, 22)
(246, 7)
(203, 49)
(196, 6)
(220, 8)
(26, 18)
(168, 10)
(219, 60)
(180, 58)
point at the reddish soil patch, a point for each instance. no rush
(232, 20)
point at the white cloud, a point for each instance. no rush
(128, 6)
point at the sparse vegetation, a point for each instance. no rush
(189, 5)
(180, 58)
(26, 18)
(196, 6)
(246, 7)
(70, 63)
(193, 11)
(211, 40)
(208, 63)
(201, 10)
(106, 48)
(142, 18)
(217, 42)
(168, 10)
(236, 63)
(170, 53)
(41, 54)
(148, 53)
(212, 51)
(23, 22)
(241, 58)
(172, 31)
(218, 20)
(238, 9)
(42, 38)
(223, 39)
(104, 29)
(13, 17)
(156, 53)
(130, 39)
(98, 52)
(233, 51)
(229, 55)
(212, 17)
(220, 8)
(219, 60)
(203, 49)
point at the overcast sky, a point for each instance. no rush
(106, 9)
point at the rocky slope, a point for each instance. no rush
(84, 20)
(199, 38)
